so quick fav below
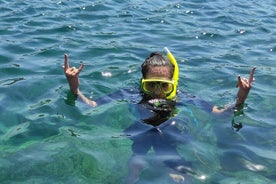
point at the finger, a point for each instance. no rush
(66, 63)
(251, 77)
(80, 68)
(239, 81)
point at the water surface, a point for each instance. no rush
(45, 140)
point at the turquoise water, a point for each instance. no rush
(45, 140)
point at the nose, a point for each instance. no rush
(158, 93)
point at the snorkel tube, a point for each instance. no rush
(175, 73)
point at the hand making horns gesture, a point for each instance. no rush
(244, 86)
(72, 74)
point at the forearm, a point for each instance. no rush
(78, 95)
(241, 97)
(73, 83)
(74, 87)
(239, 101)
(218, 110)
(85, 99)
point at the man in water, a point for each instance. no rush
(155, 127)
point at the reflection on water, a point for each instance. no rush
(9, 82)
(15, 130)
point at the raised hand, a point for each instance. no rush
(244, 86)
(72, 74)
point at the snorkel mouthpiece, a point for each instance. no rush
(175, 73)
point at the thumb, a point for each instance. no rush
(239, 81)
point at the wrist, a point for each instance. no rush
(75, 92)
(240, 100)
(241, 96)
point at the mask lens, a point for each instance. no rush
(166, 87)
(151, 86)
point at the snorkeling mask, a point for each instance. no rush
(150, 85)
(168, 87)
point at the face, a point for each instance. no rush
(159, 89)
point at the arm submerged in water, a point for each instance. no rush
(72, 76)
(244, 86)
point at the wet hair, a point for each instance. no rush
(156, 59)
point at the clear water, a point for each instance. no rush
(44, 140)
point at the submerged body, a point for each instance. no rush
(159, 133)
(156, 128)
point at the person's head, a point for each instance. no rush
(157, 72)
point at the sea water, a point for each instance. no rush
(43, 139)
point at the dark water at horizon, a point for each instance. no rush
(45, 140)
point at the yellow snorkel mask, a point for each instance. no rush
(175, 73)
(168, 87)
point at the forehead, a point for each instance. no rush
(163, 72)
